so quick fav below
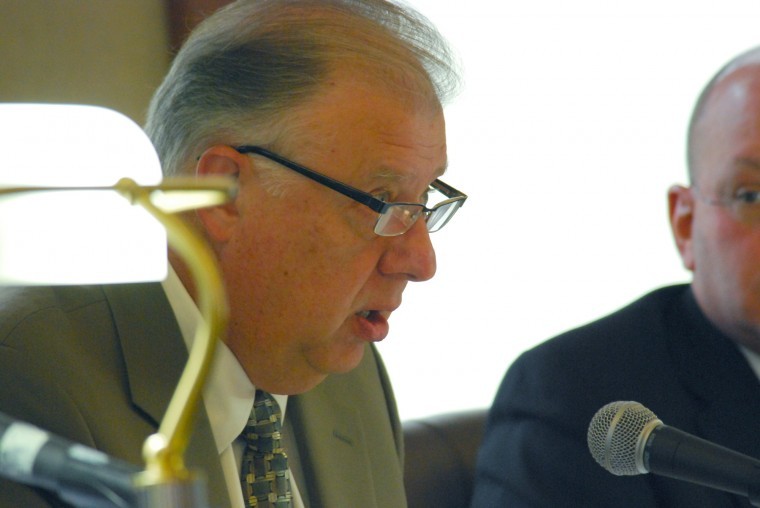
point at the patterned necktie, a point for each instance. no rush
(264, 475)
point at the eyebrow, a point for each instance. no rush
(396, 177)
(442, 170)
(748, 161)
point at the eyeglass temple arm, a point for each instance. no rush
(447, 190)
(375, 204)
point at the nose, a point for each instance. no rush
(411, 254)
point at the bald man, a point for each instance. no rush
(690, 353)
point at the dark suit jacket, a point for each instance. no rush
(98, 365)
(660, 351)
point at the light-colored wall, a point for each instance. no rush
(568, 133)
(106, 52)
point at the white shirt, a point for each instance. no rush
(753, 359)
(228, 394)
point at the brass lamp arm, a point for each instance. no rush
(163, 452)
(166, 481)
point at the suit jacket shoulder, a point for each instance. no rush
(660, 351)
(97, 365)
(94, 365)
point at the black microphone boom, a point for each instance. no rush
(82, 476)
(626, 438)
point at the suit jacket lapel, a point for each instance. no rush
(332, 434)
(155, 355)
(726, 389)
(154, 352)
(348, 441)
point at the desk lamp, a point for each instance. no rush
(65, 171)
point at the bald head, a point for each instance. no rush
(734, 91)
(716, 221)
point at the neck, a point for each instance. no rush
(184, 274)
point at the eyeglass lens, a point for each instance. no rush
(398, 219)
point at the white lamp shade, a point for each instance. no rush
(75, 237)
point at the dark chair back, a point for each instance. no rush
(440, 458)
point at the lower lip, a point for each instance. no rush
(373, 328)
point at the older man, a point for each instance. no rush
(329, 115)
(690, 353)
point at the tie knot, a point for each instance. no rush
(265, 408)
(262, 432)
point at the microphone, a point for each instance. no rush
(80, 475)
(626, 438)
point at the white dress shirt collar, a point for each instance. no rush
(753, 359)
(228, 394)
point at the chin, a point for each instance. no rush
(318, 370)
(339, 360)
(352, 358)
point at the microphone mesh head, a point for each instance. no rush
(614, 433)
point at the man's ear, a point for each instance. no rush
(220, 221)
(681, 211)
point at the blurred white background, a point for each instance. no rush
(568, 132)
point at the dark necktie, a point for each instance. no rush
(264, 474)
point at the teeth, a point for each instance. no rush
(364, 314)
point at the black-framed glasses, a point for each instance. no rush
(394, 218)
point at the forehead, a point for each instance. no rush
(365, 124)
(727, 134)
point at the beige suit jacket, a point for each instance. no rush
(98, 365)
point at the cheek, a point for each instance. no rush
(727, 254)
(332, 274)
(303, 268)
(331, 250)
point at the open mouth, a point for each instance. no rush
(367, 313)
(372, 324)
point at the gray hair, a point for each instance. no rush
(750, 57)
(253, 61)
